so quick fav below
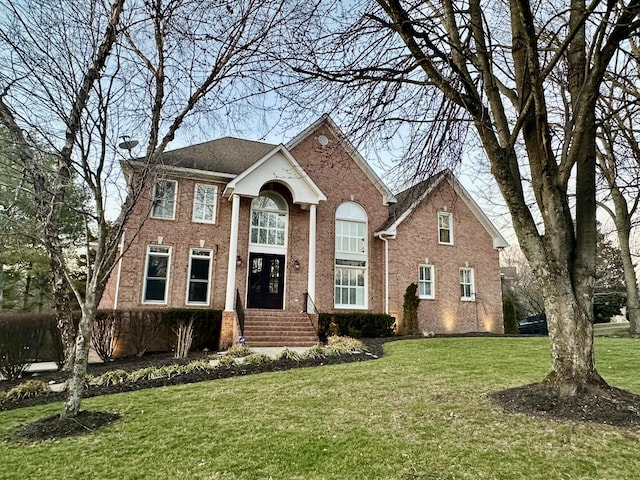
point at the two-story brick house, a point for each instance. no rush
(276, 230)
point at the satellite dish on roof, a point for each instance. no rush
(127, 143)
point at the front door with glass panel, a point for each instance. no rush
(266, 281)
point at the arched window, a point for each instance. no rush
(350, 277)
(269, 220)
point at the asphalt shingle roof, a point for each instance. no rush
(224, 155)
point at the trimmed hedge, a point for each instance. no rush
(355, 325)
(207, 325)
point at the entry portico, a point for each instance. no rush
(269, 223)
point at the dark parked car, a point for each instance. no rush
(533, 325)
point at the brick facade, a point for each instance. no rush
(417, 243)
(333, 169)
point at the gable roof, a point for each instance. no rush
(277, 166)
(387, 196)
(411, 198)
(225, 155)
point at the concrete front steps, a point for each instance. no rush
(275, 328)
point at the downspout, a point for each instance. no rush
(115, 300)
(384, 236)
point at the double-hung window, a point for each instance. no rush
(204, 203)
(350, 272)
(445, 228)
(156, 274)
(426, 282)
(164, 199)
(199, 277)
(467, 289)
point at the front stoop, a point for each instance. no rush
(275, 328)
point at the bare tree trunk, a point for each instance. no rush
(1, 286)
(622, 220)
(81, 358)
(64, 317)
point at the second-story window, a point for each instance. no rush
(164, 199)
(445, 228)
(204, 203)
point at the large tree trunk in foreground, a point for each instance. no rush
(571, 328)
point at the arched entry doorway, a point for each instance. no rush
(267, 251)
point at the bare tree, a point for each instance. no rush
(105, 69)
(618, 158)
(433, 68)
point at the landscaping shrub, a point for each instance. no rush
(206, 325)
(21, 338)
(288, 354)
(342, 345)
(112, 377)
(509, 313)
(184, 337)
(145, 327)
(238, 351)
(105, 333)
(257, 359)
(356, 325)
(410, 311)
(317, 351)
(28, 389)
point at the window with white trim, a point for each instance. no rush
(269, 220)
(467, 289)
(156, 274)
(199, 276)
(445, 228)
(204, 203)
(350, 272)
(164, 199)
(426, 282)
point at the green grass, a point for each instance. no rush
(611, 329)
(420, 412)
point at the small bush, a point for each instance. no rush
(206, 325)
(355, 325)
(317, 351)
(227, 361)
(196, 366)
(410, 311)
(288, 354)
(106, 330)
(145, 327)
(19, 346)
(148, 373)
(257, 359)
(184, 337)
(238, 351)
(28, 389)
(112, 377)
(342, 345)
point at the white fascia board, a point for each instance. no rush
(183, 172)
(316, 193)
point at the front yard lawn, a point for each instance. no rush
(420, 412)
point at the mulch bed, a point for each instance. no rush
(609, 405)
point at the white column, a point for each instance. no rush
(311, 281)
(229, 305)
